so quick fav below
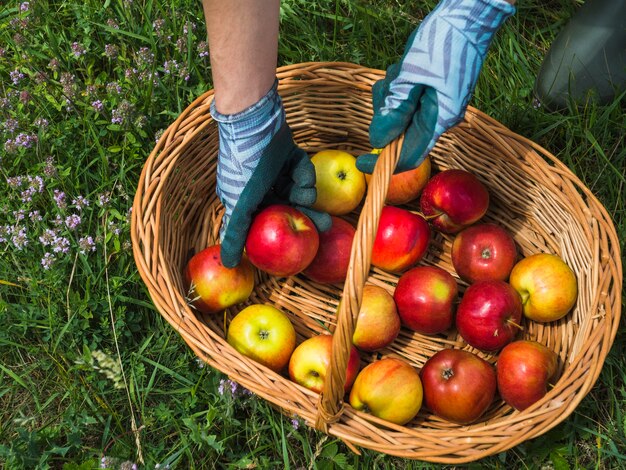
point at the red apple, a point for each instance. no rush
(524, 370)
(483, 252)
(406, 186)
(458, 385)
(489, 315)
(547, 285)
(282, 241)
(211, 286)
(330, 264)
(453, 200)
(310, 361)
(264, 334)
(425, 297)
(390, 389)
(378, 323)
(401, 240)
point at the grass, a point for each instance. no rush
(85, 358)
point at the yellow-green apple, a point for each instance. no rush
(524, 370)
(489, 315)
(390, 389)
(310, 360)
(263, 333)
(454, 199)
(212, 287)
(426, 297)
(282, 241)
(548, 286)
(483, 252)
(340, 184)
(406, 186)
(377, 323)
(330, 264)
(459, 386)
(401, 240)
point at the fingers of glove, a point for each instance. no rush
(419, 137)
(380, 89)
(388, 124)
(366, 163)
(321, 220)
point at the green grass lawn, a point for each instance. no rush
(86, 88)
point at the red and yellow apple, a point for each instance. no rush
(282, 241)
(547, 285)
(310, 360)
(454, 199)
(401, 240)
(426, 298)
(340, 184)
(390, 389)
(378, 323)
(525, 369)
(330, 264)
(263, 333)
(489, 315)
(212, 287)
(483, 252)
(406, 186)
(458, 385)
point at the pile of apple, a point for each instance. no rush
(503, 290)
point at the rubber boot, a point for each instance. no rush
(588, 57)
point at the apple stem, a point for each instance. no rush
(514, 324)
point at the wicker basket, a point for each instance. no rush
(546, 207)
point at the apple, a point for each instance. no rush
(282, 241)
(524, 371)
(263, 333)
(459, 386)
(340, 184)
(310, 361)
(390, 389)
(453, 200)
(406, 186)
(489, 315)
(483, 252)
(330, 264)
(401, 240)
(426, 298)
(547, 285)
(211, 286)
(377, 323)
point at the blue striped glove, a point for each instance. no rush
(428, 90)
(259, 164)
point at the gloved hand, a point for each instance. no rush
(259, 163)
(428, 90)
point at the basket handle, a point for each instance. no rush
(330, 402)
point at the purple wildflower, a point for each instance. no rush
(203, 49)
(111, 51)
(53, 64)
(59, 198)
(24, 6)
(16, 76)
(111, 23)
(80, 202)
(295, 423)
(47, 261)
(61, 245)
(10, 125)
(97, 105)
(50, 170)
(42, 123)
(19, 237)
(48, 237)
(72, 221)
(86, 244)
(78, 49)
(104, 198)
(35, 216)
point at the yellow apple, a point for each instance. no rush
(547, 285)
(378, 322)
(340, 184)
(390, 389)
(263, 333)
(406, 186)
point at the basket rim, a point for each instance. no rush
(182, 132)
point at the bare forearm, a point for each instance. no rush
(243, 46)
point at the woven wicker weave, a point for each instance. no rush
(545, 207)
